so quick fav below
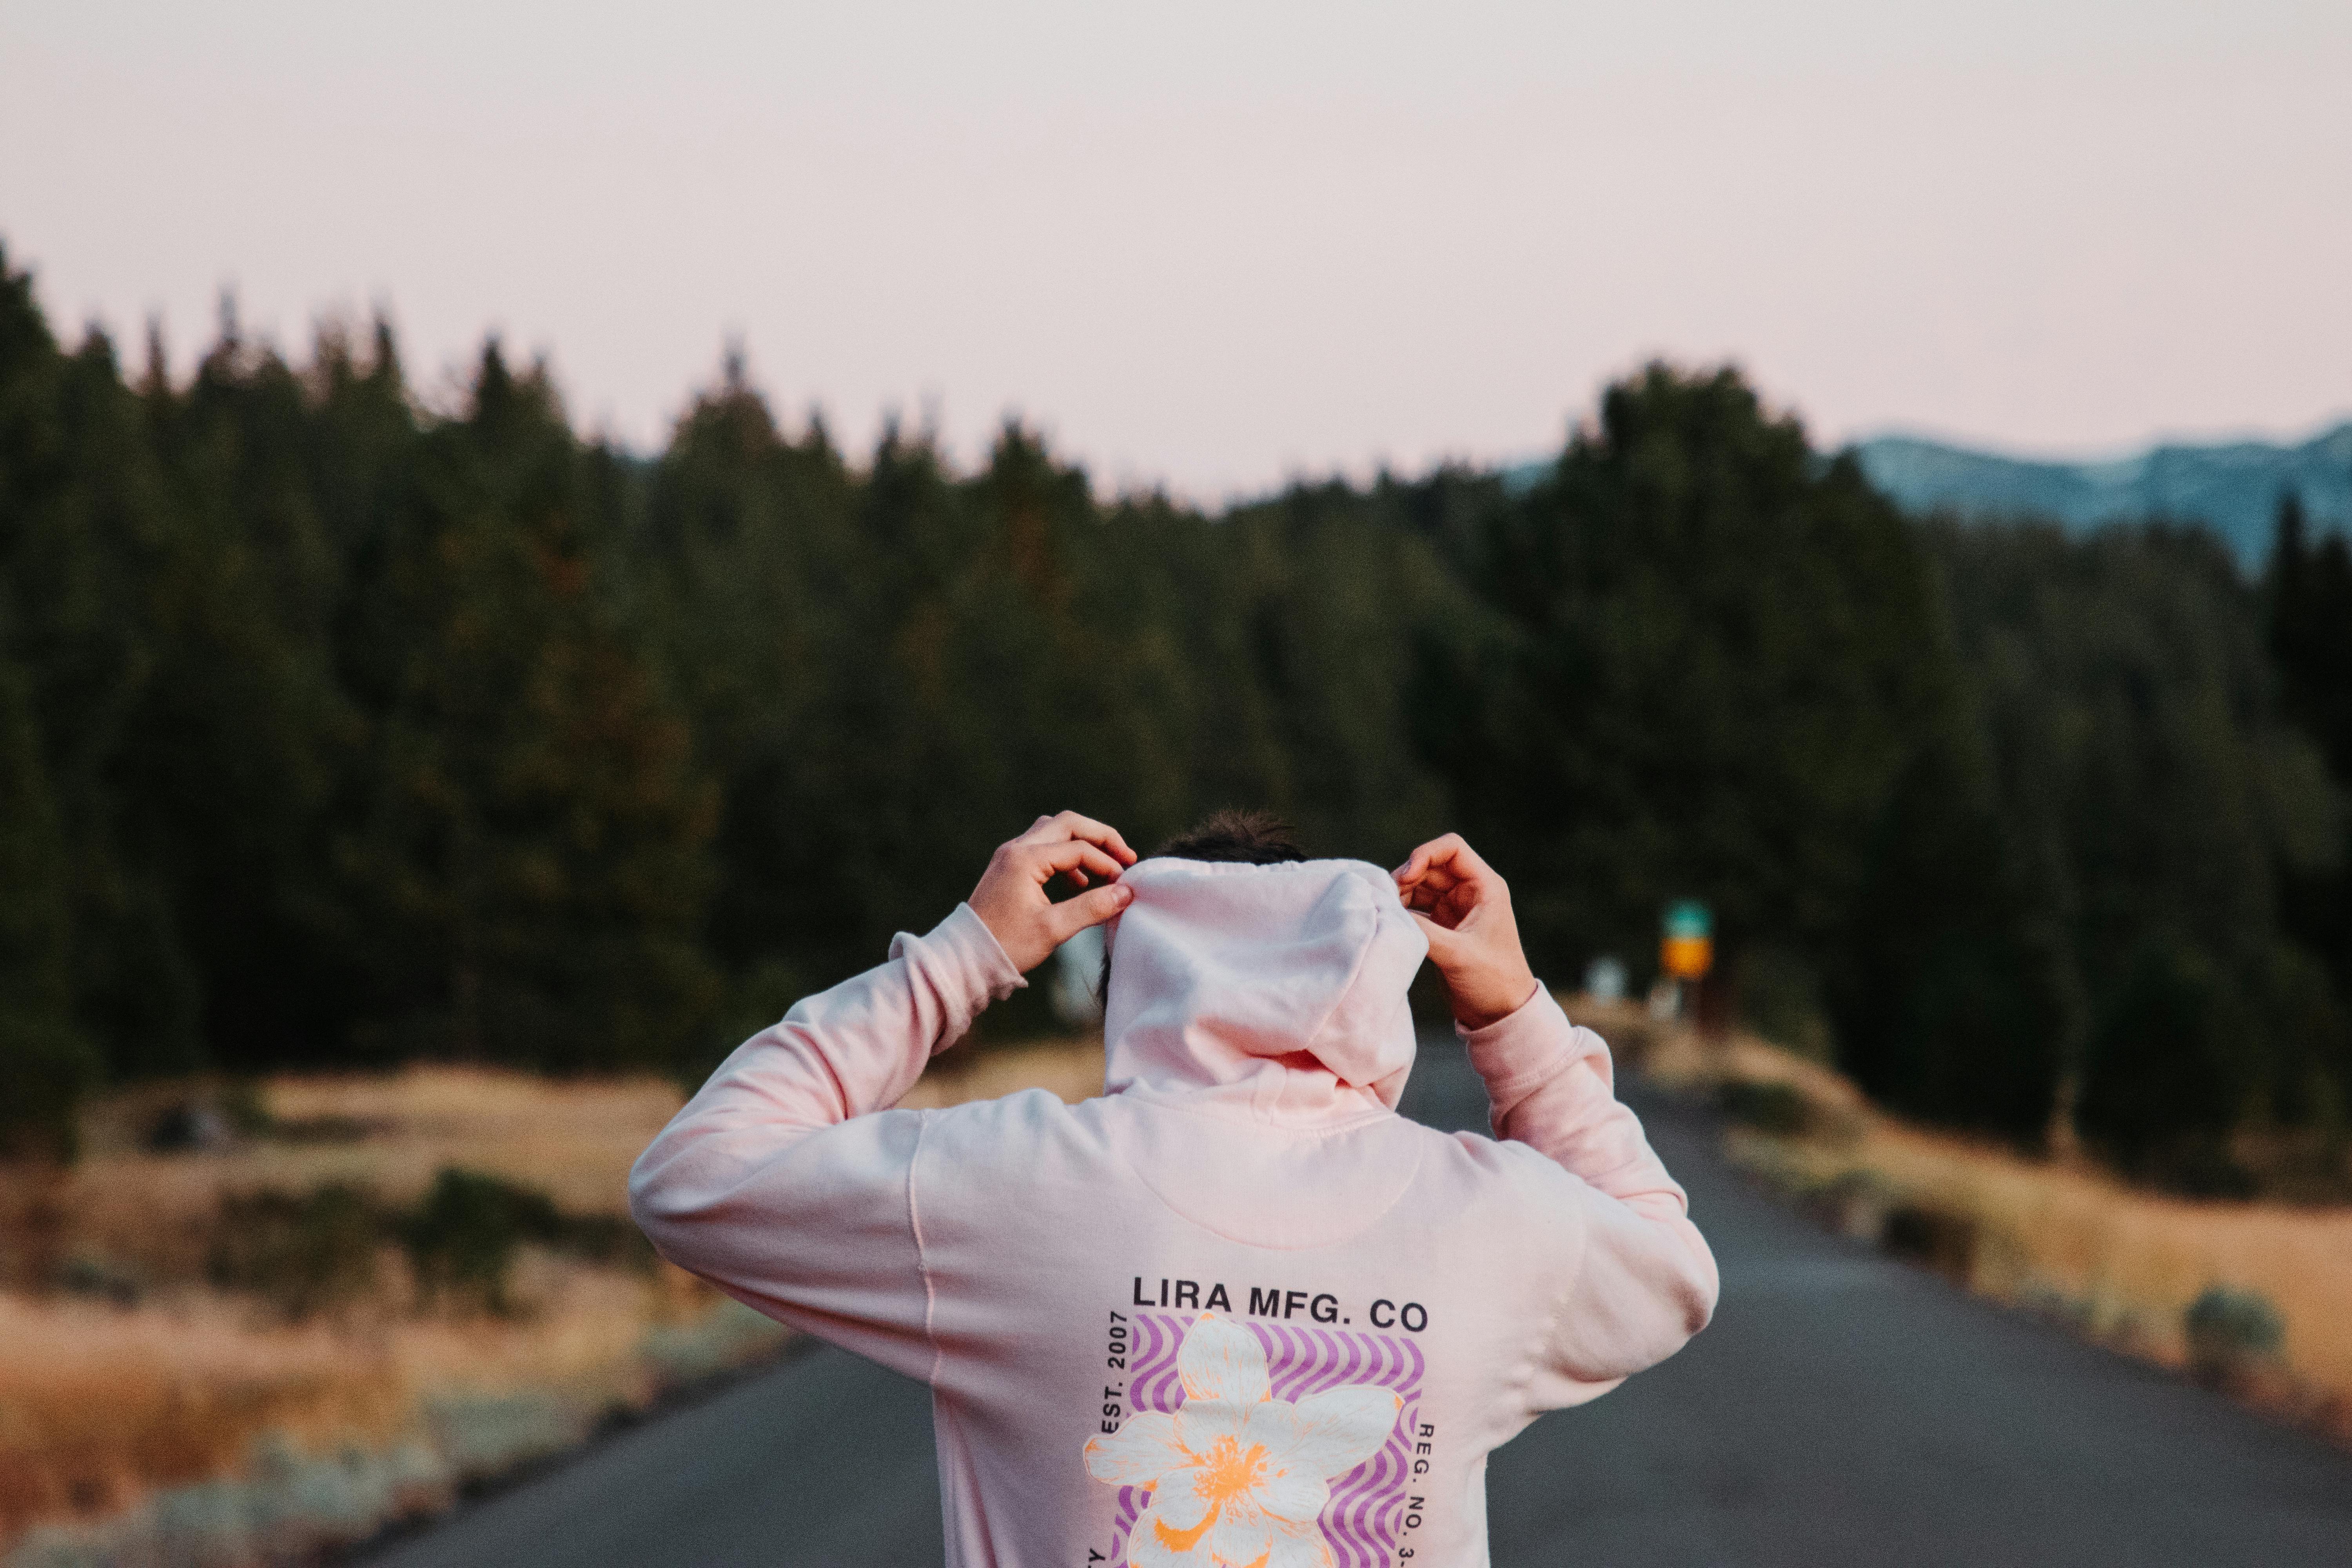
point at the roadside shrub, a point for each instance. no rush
(2232, 1333)
(306, 1252)
(101, 1279)
(190, 1126)
(301, 1253)
(1779, 1109)
(1935, 1238)
(463, 1237)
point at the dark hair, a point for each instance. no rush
(1251, 838)
(1247, 837)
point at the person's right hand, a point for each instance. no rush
(1011, 899)
(1465, 909)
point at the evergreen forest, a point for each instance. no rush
(342, 728)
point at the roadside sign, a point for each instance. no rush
(1687, 951)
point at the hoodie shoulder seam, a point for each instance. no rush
(922, 1265)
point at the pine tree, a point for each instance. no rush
(2150, 796)
(532, 838)
(2308, 595)
(242, 731)
(2307, 604)
(1718, 656)
(46, 1061)
(83, 516)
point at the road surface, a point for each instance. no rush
(1842, 1410)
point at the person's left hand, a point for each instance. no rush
(1464, 907)
(1011, 899)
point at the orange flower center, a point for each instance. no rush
(1228, 1470)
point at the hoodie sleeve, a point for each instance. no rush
(787, 1185)
(1643, 1281)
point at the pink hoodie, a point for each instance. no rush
(1236, 1311)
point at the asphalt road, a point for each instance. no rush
(1842, 1410)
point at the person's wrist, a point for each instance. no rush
(1493, 998)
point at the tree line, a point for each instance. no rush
(338, 728)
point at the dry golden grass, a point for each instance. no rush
(103, 1407)
(573, 1140)
(2134, 1258)
(2129, 1261)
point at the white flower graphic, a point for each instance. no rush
(1238, 1477)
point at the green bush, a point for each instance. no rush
(2232, 1333)
(1937, 1238)
(306, 1252)
(462, 1239)
(301, 1253)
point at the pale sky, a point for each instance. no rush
(1215, 245)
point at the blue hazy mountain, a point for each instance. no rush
(2233, 488)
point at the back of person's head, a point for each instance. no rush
(1249, 837)
(1244, 968)
(1246, 837)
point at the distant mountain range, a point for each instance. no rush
(2233, 488)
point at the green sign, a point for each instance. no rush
(1687, 920)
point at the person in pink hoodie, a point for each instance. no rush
(1236, 1311)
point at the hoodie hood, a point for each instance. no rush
(1279, 986)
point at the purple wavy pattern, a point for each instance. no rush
(1366, 1504)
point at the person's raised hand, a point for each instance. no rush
(1465, 909)
(1011, 899)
